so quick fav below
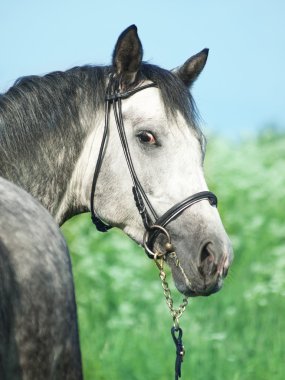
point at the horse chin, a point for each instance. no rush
(188, 292)
(193, 287)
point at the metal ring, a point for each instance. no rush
(146, 236)
(176, 322)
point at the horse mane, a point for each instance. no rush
(36, 105)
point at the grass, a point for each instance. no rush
(236, 334)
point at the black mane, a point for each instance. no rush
(37, 105)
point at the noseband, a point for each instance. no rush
(153, 224)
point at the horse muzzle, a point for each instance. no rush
(195, 274)
(204, 274)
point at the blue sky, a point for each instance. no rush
(242, 87)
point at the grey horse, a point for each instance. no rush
(38, 324)
(50, 134)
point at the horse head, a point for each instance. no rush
(166, 149)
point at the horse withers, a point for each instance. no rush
(38, 323)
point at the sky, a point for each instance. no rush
(241, 89)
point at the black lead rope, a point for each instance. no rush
(177, 333)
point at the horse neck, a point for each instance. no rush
(42, 134)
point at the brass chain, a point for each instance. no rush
(175, 313)
(159, 259)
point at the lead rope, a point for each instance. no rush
(176, 330)
(159, 259)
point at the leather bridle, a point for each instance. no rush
(153, 224)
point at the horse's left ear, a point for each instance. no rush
(127, 55)
(192, 68)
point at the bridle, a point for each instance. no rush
(153, 224)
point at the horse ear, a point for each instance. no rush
(192, 68)
(127, 55)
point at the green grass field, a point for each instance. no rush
(236, 334)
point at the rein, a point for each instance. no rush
(154, 225)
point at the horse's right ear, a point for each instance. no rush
(192, 68)
(127, 56)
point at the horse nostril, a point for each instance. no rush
(207, 266)
(225, 271)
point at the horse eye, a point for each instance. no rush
(147, 137)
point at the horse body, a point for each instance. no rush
(38, 325)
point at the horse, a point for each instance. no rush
(51, 131)
(38, 324)
(122, 141)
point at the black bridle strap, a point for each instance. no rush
(138, 191)
(124, 95)
(113, 96)
(101, 226)
(173, 213)
(177, 209)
